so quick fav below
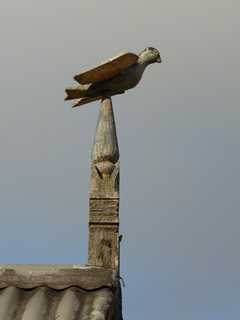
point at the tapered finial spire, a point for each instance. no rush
(105, 147)
(104, 192)
(105, 155)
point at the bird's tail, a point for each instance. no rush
(76, 92)
(85, 100)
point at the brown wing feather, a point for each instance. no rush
(108, 69)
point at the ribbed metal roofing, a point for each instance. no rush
(49, 304)
(40, 293)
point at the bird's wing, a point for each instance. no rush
(107, 69)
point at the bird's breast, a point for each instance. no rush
(128, 79)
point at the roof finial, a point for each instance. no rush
(104, 192)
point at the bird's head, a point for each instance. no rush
(150, 55)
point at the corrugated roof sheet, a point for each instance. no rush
(58, 293)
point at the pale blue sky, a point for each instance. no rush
(178, 133)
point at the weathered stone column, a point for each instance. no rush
(104, 192)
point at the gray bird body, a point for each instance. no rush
(125, 79)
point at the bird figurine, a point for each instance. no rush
(112, 77)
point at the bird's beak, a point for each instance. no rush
(159, 60)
